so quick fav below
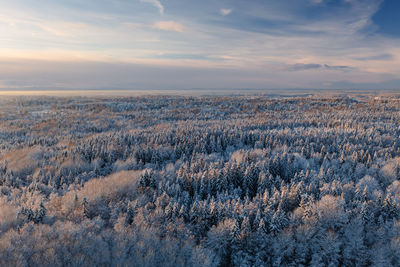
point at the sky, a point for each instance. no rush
(208, 44)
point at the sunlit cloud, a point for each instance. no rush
(169, 26)
(225, 11)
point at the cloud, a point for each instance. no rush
(316, 2)
(385, 56)
(169, 26)
(301, 66)
(156, 4)
(43, 74)
(386, 84)
(313, 66)
(225, 11)
(342, 68)
(187, 57)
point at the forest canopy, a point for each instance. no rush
(200, 181)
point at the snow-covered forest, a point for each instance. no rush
(199, 181)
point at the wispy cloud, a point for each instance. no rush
(301, 66)
(385, 56)
(338, 67)
(316, 1)
(169, 26)
(313, 66)
(155, 3)
(225, 11)
(178, 56)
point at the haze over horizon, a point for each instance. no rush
(169, 44)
